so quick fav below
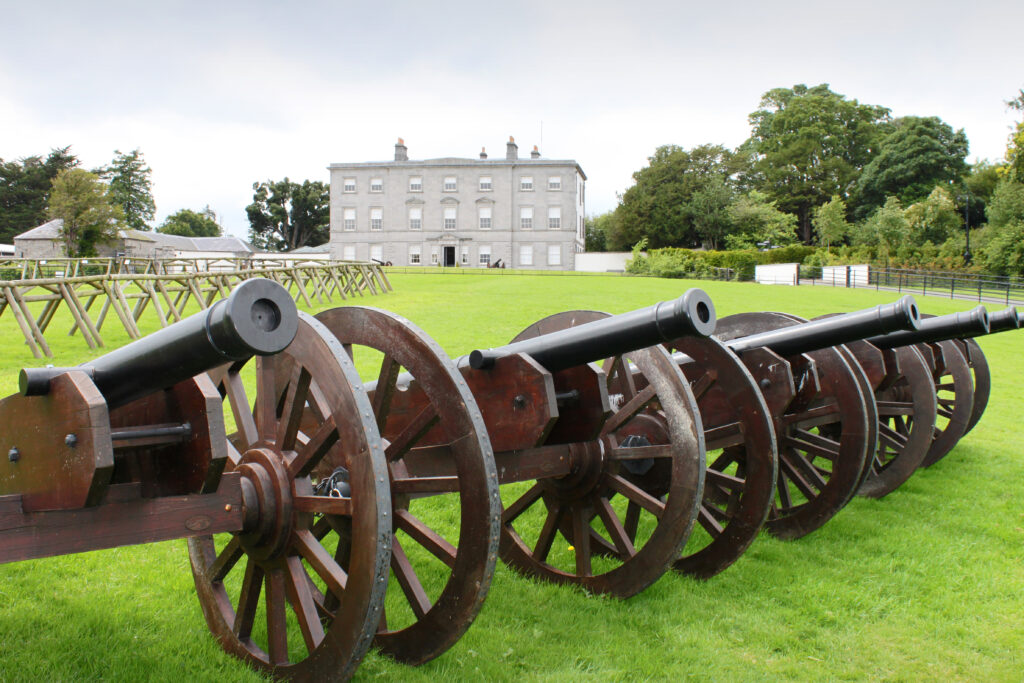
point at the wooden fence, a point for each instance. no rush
(129, 286)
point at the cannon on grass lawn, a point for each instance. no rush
(132, 447)
(558, 446)
(746, 391)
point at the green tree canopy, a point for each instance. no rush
(1015, 149)
(980, 182)
(916, 154)
(81, 201)
(25, 190)
(1006, 205)
(596, 231)
(830, 222)
(934, 219)
(188, 223)
(667, 203)
(285, 215)
(887, 228)
(811, 144)
(131, 188)
(756, 220)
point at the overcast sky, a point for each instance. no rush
(218, 95)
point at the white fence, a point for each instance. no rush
(845, 276)
(777, 274)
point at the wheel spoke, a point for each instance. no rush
(426, 537)
(813, 444)
(293, 408)
(709, 523)
(641, 452)
(322, 563)
(323, 505)
(621, 378)
(802, 474)
(277, 622)
(266, 398)
(632, 521)
(248, 600)
(407, 579)
(240, 408)
(382, 395)
(547, 533)
(702, 384)
(303, 605)
(623, 544)
(581, 536)
(724, 481)
(627, 411)
(226, 560)
(522, 504)
(310, 453)
(635, 494)
(413, 432)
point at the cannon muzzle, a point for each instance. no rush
(258, 318)
(839, 329)
(690, 315)
(973, 323)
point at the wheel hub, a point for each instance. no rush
(267, 504)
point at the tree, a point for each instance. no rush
(709, 211)
(756, 221)
(131, 188)
(887, 228)
(665, 203)
(934, 219)
(284, 215)
(980, 182)
(596, 232)
(811, 144)
(25, 190)
(1014, 169)
(830, 222)
(81, 201)
(188, 223)
(914, 156)
(1006, 205)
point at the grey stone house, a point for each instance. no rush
(44, 241)
(522, 213)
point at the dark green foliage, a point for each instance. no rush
(188, 223)
(1007, 204)
(811, 144)
(131, 188)
(679, 198)
(914, 156)
(285, 215)
(596, 232)
(1015, 148)
(679, 263)
(25, 190)
(81, 200)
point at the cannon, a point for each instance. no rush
(557, 444)
(133, 447)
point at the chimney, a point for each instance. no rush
(512, 149)
(535, 154)
(401, 151)
(483, 152)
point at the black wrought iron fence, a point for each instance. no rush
(992, 288)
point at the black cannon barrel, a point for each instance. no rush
(258, 318)
(1006, 319)
(839, 329)
(690, 315)
(973, 323)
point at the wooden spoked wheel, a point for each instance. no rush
(264, 590)
(824, 438)
(954, 390)
(982, 379)
(444, 487)
(595, 527)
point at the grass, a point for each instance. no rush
(927, 583)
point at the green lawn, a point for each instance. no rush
(927, 583)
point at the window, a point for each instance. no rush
(414, 255)
(554, 254)
(433, 256)
(526, 218)
(415, 218)
(449, 218)
(450, 184)
(485, 218)
(583, 228)
(350, 219)
(416, 183)
(555, 182)
(349, 253)
(485, 183)
(376, 219)
(349, 185)
(485, 255)
(526, 255)
(377, 252)
(465, 255)
(526, 183)
(376, 185)
(555, 218)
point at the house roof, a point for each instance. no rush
(47, 231)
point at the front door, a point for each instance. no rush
(449, 257)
